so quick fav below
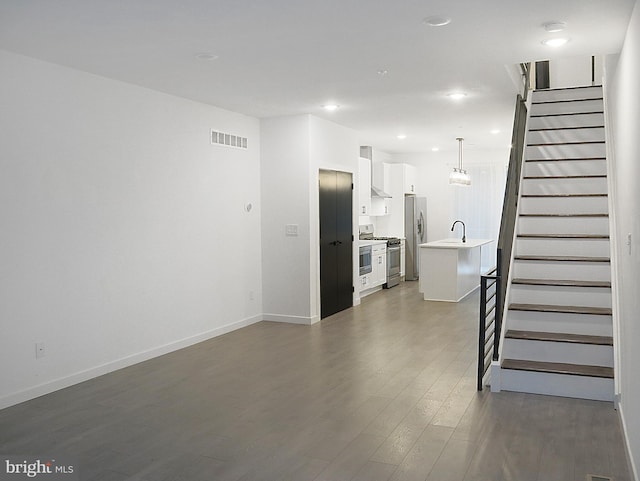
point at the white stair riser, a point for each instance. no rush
(567, 167)
(596, 185)
(599, 389)
(565, 205)
(560, 121)
(566, 94)
(559, 322)
(568, 135)
(563, 225)
(567, 107)
(562, 247)
(563, 352)
(584, 271)
(560, 295)
(564, 151)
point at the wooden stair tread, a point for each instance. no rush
(548, 177)
(558, 368)
(561, 282)
(563, 258)
(582, 142)
(564, 215)
(565, 159)
(564, 236)
(564, 101)
(598, 311)
(560, 337)
(562, 114)
(575, 127)
(564, 195)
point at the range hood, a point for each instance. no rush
(366, 152)
(375, 192)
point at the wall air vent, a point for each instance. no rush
(228, 140)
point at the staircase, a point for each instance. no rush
(558, 321)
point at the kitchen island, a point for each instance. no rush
(450, 268)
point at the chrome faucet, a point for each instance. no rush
(464, 230)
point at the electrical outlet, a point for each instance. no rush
(39, 350)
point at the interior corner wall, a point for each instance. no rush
(294, 148)
(124, 230)
(285, 201)
(623, 113)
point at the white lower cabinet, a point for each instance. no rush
(379, 267)
(371, 282)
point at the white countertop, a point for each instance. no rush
(456, 243)
(371, 242)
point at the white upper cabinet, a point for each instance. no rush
(364, 176)
(409, 172)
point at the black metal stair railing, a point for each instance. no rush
(493, 285)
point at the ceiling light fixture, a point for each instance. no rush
(435, 149)
(459, 176)
(437, 20)
(206, 56)
(495, 131)
(554, 27)
(402, 136)
(457, 95)
(331, 107)
(382, 72)
(555, 42)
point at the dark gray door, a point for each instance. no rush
(336, 241)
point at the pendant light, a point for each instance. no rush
(459, 176)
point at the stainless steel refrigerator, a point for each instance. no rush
(415, 231)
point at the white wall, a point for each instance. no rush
(623, 105)
(124, 233)
(293, 150)
(285, 200)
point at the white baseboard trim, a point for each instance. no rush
(632, 463)
(306, 321)
(81, 376)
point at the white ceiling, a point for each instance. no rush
(282, 57)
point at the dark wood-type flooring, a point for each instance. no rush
(383, 391)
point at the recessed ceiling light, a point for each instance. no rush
(495, 131)
(554, 26)
(402, 136)
(383, 72)
(206, 56)
(555, 42)
(435, 149)
(437, 20)
(457, 95)
(330, 107)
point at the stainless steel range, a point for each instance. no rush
(393, 254)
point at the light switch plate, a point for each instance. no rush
(291, 230)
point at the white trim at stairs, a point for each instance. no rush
(627, 444)
(87, 374)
